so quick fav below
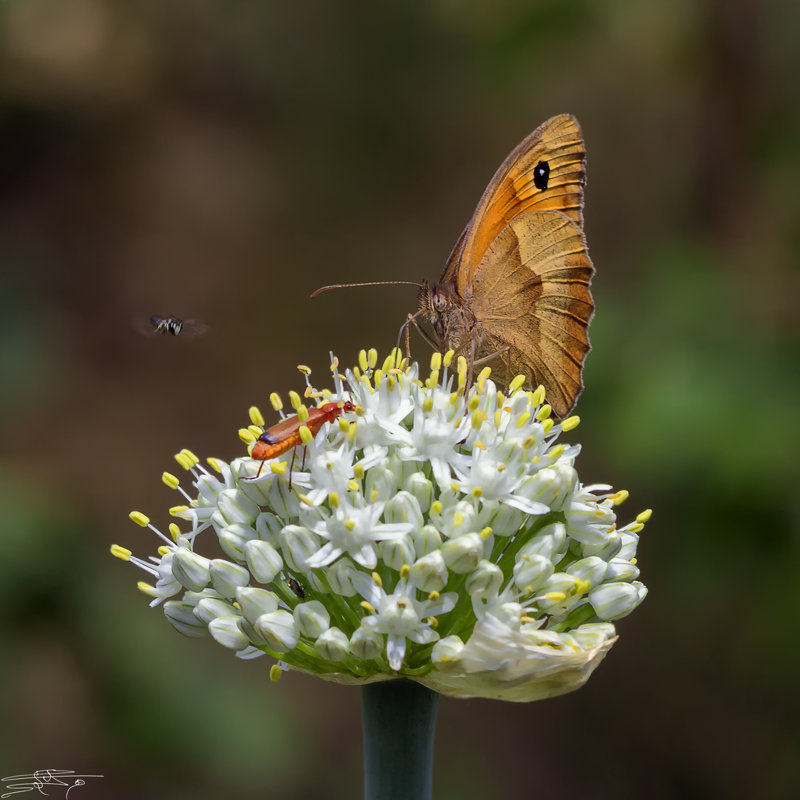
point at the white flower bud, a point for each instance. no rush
(619, 569)
(298, 544)
(191, 570)
(226, 578)
(506, 520)
(209, 608)
(447, 652)
(235, 506)
(397, 552)
(590, 569)
(340, 577)
(366, 643)
(615, 600)
(551, 485)
(422, 489)
(463, 553)
(233, 538)
(403, 507)
(426, 540)
(485, 581)
(278, 629)
(332, 645)
(263, 560)
(530, 572)
(429, 573)
(181, 616)
(312, 618)
(550, 542)
(226, 631)
(254, 602)
(268, 527)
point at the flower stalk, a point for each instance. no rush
(399, 729)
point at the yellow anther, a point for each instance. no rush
(353, 486)
(163, 550)
(570, 423)
(405, 571)
(436, 507)
(432, 621)
(484, 374)
(527, 443)
(275, 673)
(473, 403)
(191, 456)
(555, 597)
(306, 437)
(515, 384)
(184, 461)
(120, 552)
(427, 405)
(146, 588)
(374, 495)
(214, 464)
(390, 363)
(362, 360)
(455, 487)
(454, 397)
(305, 500)
(434, 596)
(377, 579)
(645, 515)
(547, 425)
(176, 511)
(358, 471)
(401, 604)
(537, 396)
(477, 418)
(368, 606)
(304, 369)
(556, 452)
(350, 524)
(372, 357)
(357, 372)
(634, 561)
(333, 499)
(351, 432)
(278, 467)
(275, 401)
(302, 413)
(486, 532)
(433, 379)
(523, 418)
(498, 418)
(582, 586)
(255, 416)
(377, 376)
(620, 497)
(174, 531)
(335, 365)
(344, 425)
(479, 445)
(544, 412)
(436, 362)
(245, 434)
(458, 519)
(477, 492)
(294, 400)
(139, 518)
(255, 430)
(310, 394)
(501, 467)
(636, 527)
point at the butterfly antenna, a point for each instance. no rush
(369, 283)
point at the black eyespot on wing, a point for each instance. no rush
(541, 175)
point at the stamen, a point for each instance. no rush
(255, 416)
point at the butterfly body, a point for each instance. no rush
(174, 326)
(515, 289)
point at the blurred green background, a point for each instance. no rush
(219, 161)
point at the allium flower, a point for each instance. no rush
(436, 533)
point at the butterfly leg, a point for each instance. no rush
(505, 354)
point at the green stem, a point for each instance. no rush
(399, 731)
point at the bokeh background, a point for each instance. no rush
(219, 161)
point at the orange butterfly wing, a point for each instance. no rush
(522, 267)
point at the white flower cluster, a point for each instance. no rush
(436, 533)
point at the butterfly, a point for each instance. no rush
(515, 288)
